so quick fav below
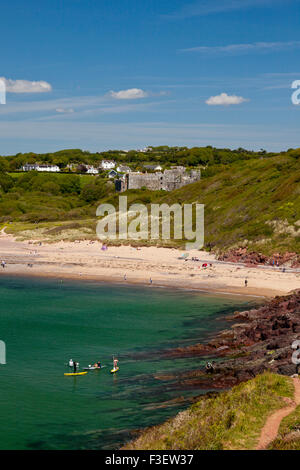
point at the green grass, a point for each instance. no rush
(231, 420)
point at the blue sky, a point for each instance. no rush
(100, 74)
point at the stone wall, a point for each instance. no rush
(168, 180)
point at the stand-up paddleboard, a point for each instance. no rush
(114, 370)
(76, 373)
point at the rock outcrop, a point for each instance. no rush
(258, 340)
(242, 255)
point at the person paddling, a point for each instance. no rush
(75, 366)
(115, 363)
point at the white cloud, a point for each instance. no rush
(224, 100)
(26, 86)
(245, 48)
(207, 7)
(64, 110)
(130, 94)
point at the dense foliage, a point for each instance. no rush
(35, 197)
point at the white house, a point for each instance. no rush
(51, 168)
(92, 170)
(123, 169)
(153, 167)
(41, 167)
(108, 164)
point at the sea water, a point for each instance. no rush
(44, 323)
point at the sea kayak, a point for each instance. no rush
(76, 373)
(114, 370)
(92, 368)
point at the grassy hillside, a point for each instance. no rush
(231, 420)
(254, 204)
(249, 202)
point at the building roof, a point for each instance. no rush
(152, 167)
(124, 168)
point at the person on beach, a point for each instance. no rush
(125, 277)
(150, 280)
(3, 264)
(246, 283)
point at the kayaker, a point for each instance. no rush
(99, 364)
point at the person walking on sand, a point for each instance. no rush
(3, 264)
(246, 283)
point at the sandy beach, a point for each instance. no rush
(146, 265)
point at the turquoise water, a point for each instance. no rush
(44, 323)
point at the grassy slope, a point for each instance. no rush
(289, 433)
(254, 203)
(231, 420)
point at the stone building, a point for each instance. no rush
(167, 180)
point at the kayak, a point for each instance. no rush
(114, 370)
(92, 368)
(76, 373)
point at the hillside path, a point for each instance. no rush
(270, 430)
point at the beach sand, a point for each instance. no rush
(146, 265)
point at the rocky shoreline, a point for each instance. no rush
(258, 340)
(242, 255)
